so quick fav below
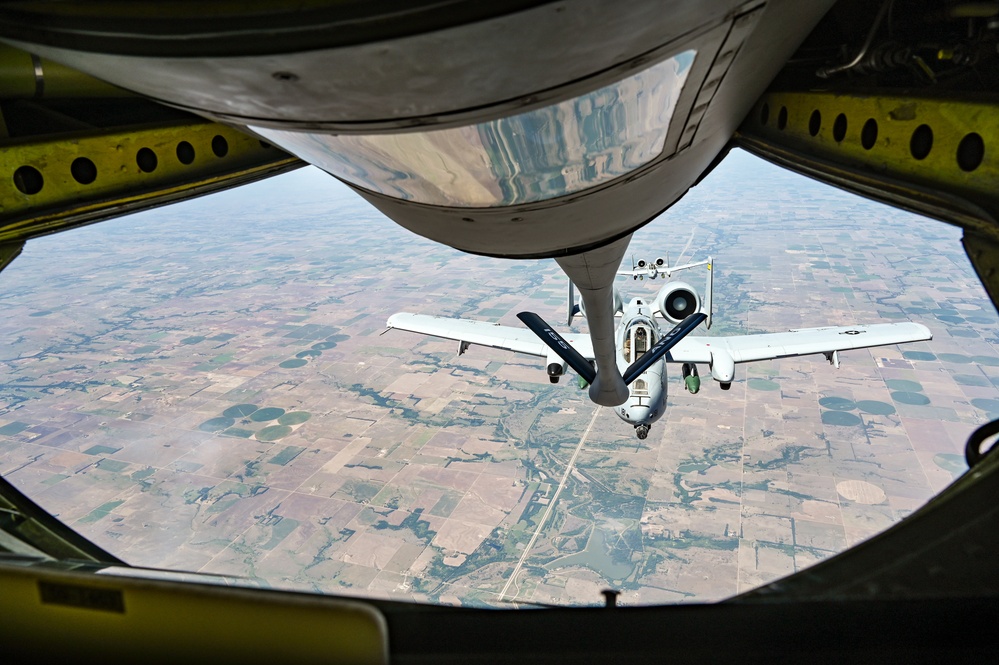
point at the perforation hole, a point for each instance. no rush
(869, 134)
(815, 123)
(83, 170)
(220, 146)
(28, 180)
(839, 128)
(146, 160)
(921, 142)
(185, 152)
(970, 152)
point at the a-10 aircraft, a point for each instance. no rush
(644, 348)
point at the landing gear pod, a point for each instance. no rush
(722, 367)
(555, 370)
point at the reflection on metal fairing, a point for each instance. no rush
(535, 156)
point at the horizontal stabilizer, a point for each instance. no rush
(668, 341)
(555, 342)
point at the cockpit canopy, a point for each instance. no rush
(639, 337)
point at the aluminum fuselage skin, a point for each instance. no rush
(646, 401)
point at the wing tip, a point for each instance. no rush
(395, 319)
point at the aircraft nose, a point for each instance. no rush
(636, 414)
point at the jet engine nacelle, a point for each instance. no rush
(677, 300)
(618, 303)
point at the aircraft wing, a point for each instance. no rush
(660, 271)
(484, 333)
(803, 342)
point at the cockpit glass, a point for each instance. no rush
(641, 342)
(206, 387)
(537, 155)
(638, 339)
